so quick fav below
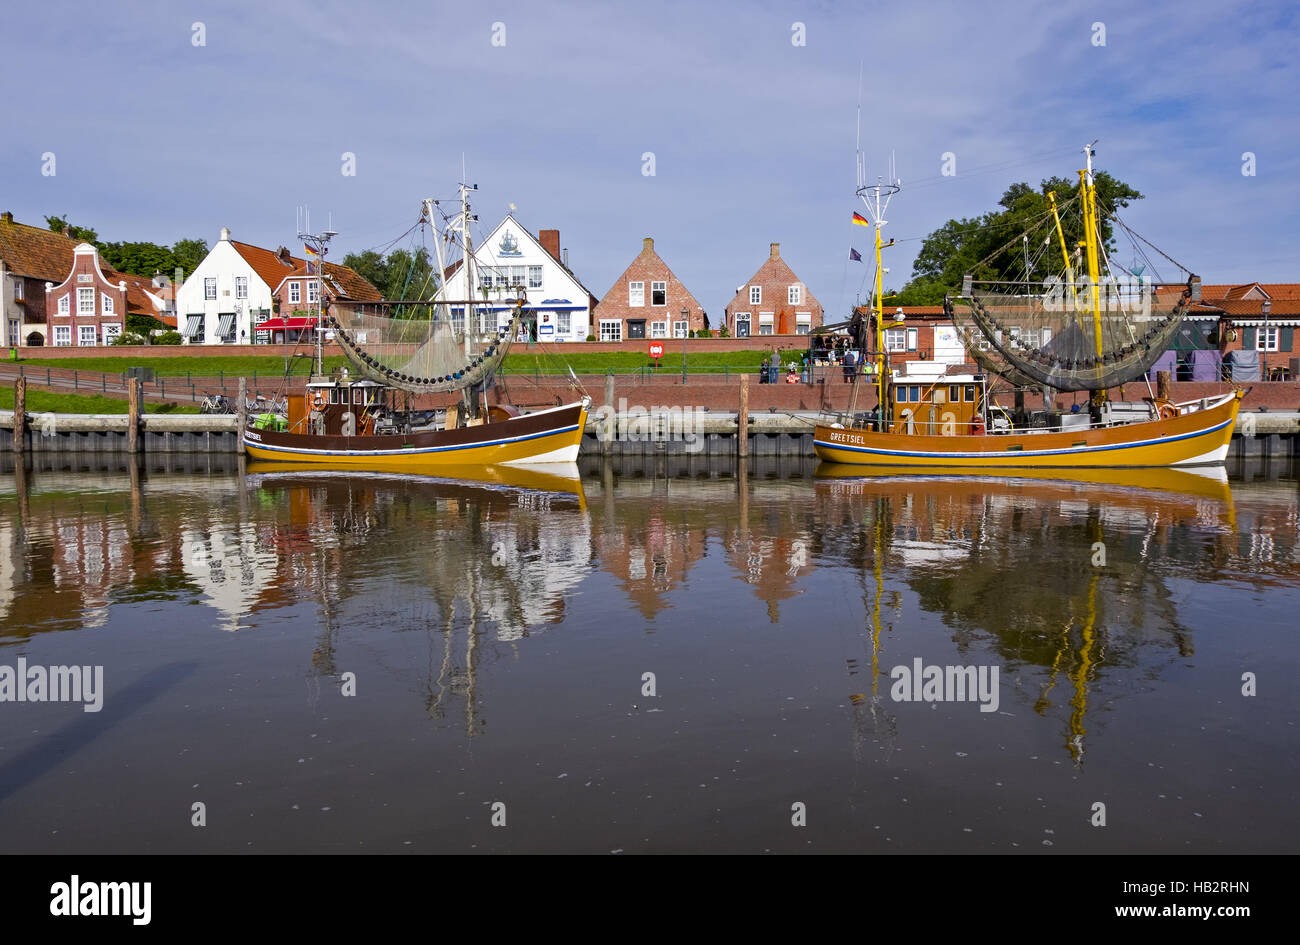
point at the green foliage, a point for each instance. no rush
(128, 338)
(137, 258)
(39, 401)
(143, 324)
(961, 246)
(61, 225)
(188, 254)
(403, 274)
(168, 338)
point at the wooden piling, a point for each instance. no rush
(742, 420)
(20, 414)
(241, 411)
(1164, 388)
(133, 415)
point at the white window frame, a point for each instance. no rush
(563, 323)
(106, 303)
(209, 288)
(794, 295)
(658, 329)
(658, 287)
(241, 287)
(65, 304)
(1267, 339)
(611, 329)
(111, 331)
(679, 329)
(87, 336)
(895, 339)
(63, 336)
(18, 290)
(755, 295)
(313, 292)
(86, 301)
(534, 277)
(767, 323)
(913, 337)
(635, 295)
(295, 293)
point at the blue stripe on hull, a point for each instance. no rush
(1023, 454)
(410, 452)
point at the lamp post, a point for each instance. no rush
(686, 326)
(1266, 307)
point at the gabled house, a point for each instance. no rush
(91, 304)
(231, 295)
(559, 307)
(30, 256)
(647, 301)
(773, 302)
(1253, 317)
(294, 298)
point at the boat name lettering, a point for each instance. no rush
(846, 438)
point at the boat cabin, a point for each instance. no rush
(341, 406)
(925, 400)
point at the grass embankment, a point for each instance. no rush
(543, 358)
(39, 401)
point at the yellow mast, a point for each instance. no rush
(1092, 231)
(1060, 235)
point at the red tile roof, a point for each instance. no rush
(273, 269)
(36, 252)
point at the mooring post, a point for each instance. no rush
(609, 387)
(242, 411)
(133, 415)
(742, 420)
(20, 414)
(1163, 387)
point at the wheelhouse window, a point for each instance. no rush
(659, 293)
(635, 294)
(210, 287)
(611, 329)
(954, 393)
(970, 393)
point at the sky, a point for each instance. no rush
(171, 120)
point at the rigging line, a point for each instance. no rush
(1007, 164)
(1129, 229)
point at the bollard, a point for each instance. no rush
(242, 410)
(74, 380)
(133, 392)
(742, 419)
(1163, 387)
(20, 414)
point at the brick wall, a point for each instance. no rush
(648, 268)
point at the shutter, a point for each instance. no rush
(1284, 339)
(1248, 339)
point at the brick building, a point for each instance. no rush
(773, 302)
(90, 304)
(647, 301)
(30, 256)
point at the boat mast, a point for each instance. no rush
(1091, 229)
(875, 197)
(319, 243)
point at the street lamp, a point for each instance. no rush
(685, 328)
(1265, 307)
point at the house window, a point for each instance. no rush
(895, 339)
(517, 275)
(87, 336)
(742, 324)
(313, 291)
(111, 332)
(912, 334)
(65, 302)
(85, 301)
(658, 329)
(659, 293)
(62, 336)
(295, 293)
(1266, 339)
(458, 320)
(611, 329)
(635, 294)
(18, 290)
(107, 301)
(241, 287)
(755, 295)
(802, 323)
(15, 329)
(534, 277)
(563, 321)
(679, 329)
(485, 280)
(795, 295)
(210, 287)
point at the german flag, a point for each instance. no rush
(312, 254)
(860, 220)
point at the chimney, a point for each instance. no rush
(550, 240)
(7, 217)
(776, 250)
(225, 234)
(565, 260)
(648, 245)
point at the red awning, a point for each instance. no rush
(290, 323)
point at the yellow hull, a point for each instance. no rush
(1191, 439)
(555, 477)
(532, 439)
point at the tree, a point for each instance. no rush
(989, 246)
(139, 259)
(61, 225)
(402, 275)
(188, 254)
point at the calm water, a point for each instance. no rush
(498, 637)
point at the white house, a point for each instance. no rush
(228, 293)
(512, 256)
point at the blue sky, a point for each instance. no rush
(158, 139)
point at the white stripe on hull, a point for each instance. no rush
(567, 454)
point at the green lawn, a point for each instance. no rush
(42, 402)
(544, 358)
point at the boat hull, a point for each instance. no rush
(1193, 439)
(547, 436)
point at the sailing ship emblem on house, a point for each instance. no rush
(509, 246)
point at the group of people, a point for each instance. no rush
(849, 359)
